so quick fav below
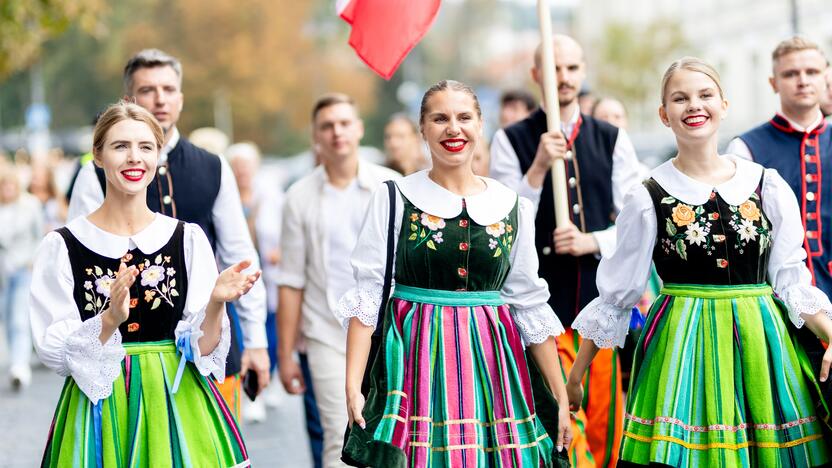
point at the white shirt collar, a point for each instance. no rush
(815, 123)
(174, 140)
(148, 240)
(485, 208)
(734, 191)
(365, 177)
(567, 127)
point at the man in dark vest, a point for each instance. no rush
(601, 165)
(797, 142)
(197, 187)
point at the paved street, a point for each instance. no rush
(25, 418)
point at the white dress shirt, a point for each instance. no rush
(523, 289)
(739, 148)
(505, 167)
(306, 247)
(71, 347)
(233, 240)
(622, 277)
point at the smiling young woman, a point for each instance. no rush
(128, 305)
(451, 385)
(718, 378)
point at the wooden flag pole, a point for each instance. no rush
(550, 99)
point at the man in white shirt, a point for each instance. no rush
(321, 221)
(797, 142)
(601, 166)
(195, 186)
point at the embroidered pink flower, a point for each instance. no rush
(152, 275)
(434, 223)
(102, 285)
(497, 229)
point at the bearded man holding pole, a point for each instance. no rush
(577, 175)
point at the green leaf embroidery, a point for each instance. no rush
(430, 245)
(173, 282)
(98, 271)
(158, 259)
(733, 208)
(699, 210)
(156, 303)
(88, 296)
(413, 227)
(109, 272)
(412, 236)
(510, 238)
(98, 302)
(173, 292)
(164, 289)
(670, 228)
(668, 201)
(497, 252)
(88, 307)
(682, 249)
(423, 233)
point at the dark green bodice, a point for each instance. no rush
(453, 254)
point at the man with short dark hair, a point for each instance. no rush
(515, 105)
(322, 217)
(195, 186)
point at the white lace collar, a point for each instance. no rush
(734, 191)
(148, 240)
(485, 208)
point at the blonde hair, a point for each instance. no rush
(691, 64)
(794, 44)
(118, 112)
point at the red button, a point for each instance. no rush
(462, 272)
(463, 223)
(463, 246)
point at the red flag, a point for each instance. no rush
(384, 31)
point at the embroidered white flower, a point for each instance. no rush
(432, 222)
(492, 244)
(747, 230)
(171, 271)
(496, 229)
(695, 234)
(438, 238)
(88, 285)
(102, 285)
(152, 275)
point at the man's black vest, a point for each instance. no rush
(589, 174)
(191, 180)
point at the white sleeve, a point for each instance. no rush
(787, 268)
(369, 259)
(292, 244)
(622, 276)
(202, 276)
(738, 147)
(234, 244)
(525, 291)
(86, 195)
(505, 167)
(62, 341)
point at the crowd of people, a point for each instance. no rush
(430, 309)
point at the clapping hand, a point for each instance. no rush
(232, 283)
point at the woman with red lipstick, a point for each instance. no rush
(718, 377)
(128, 305)
(450, 385)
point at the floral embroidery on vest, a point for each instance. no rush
(430, 232)
(742, 221)
(159, 279)
(502, 237)
(97, 288)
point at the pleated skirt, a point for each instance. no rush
(143, 424)
(719, 381)
(451, 388)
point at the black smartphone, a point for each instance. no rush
(250, 384)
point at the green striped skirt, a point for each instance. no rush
(719, 381)
(451, 387)
(142, 423)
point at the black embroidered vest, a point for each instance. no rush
(713, 243)
(589, 175)
(157, 297)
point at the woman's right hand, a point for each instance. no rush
(355, 406)
(575, 393)
(119, 308)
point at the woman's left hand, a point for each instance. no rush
(825, 364)
(564, 426)
(232, 283)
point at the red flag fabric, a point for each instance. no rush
(384, 31)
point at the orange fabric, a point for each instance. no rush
(603, 395)
(230, 391)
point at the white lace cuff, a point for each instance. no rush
(213, 362)
(605, 324)
(93, 366)
(802, 299)
(536, 324)
(360, 302)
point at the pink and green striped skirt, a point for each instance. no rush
(142, 423)
(718, 380)
(451, 388)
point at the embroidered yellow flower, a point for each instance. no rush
(432, 222)
(749, 211)
(496, 230)
(683, 214)
(148, 295)
(414, 217)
